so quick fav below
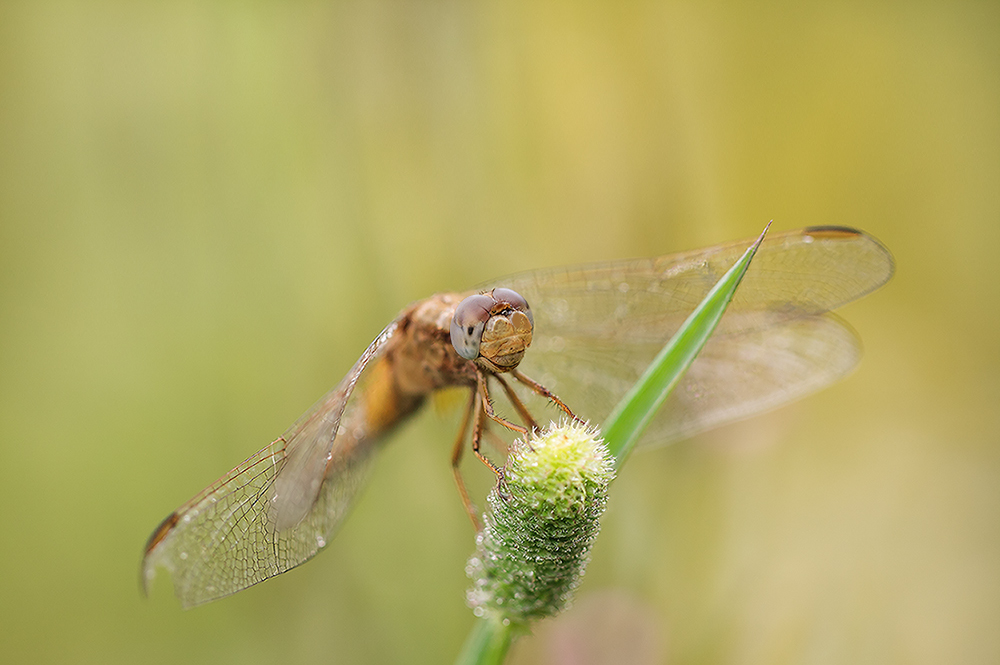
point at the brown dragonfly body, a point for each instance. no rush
(418, 360)
(594, 328)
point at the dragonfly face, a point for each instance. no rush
(494, 329)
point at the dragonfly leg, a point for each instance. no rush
(544, 392)
(499, 445)
(477, 431)
(456, 459)
(518, 404)
(487, 406)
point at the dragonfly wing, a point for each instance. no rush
(734, 377)
(797, 273)
(277, 509)
(739, 376)
(597, 327)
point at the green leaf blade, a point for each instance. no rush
(630, 417)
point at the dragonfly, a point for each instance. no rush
(577, 337)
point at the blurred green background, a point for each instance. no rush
(208, 209)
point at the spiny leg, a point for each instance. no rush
(487, 406)
(456, 459)
(499, 445)
(477, 432)
(516, 401)
(544, 392)
(480, 405)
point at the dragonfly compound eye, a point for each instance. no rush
(467, 325)
(515, 300)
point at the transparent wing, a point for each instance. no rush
(277, 509)
(597, 327)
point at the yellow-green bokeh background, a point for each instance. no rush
(208, 209)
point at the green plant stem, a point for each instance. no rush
(487, 643)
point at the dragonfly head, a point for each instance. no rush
(493, 329)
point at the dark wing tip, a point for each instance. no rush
(832, 231)
(161, 532)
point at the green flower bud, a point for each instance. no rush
(541, 521)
